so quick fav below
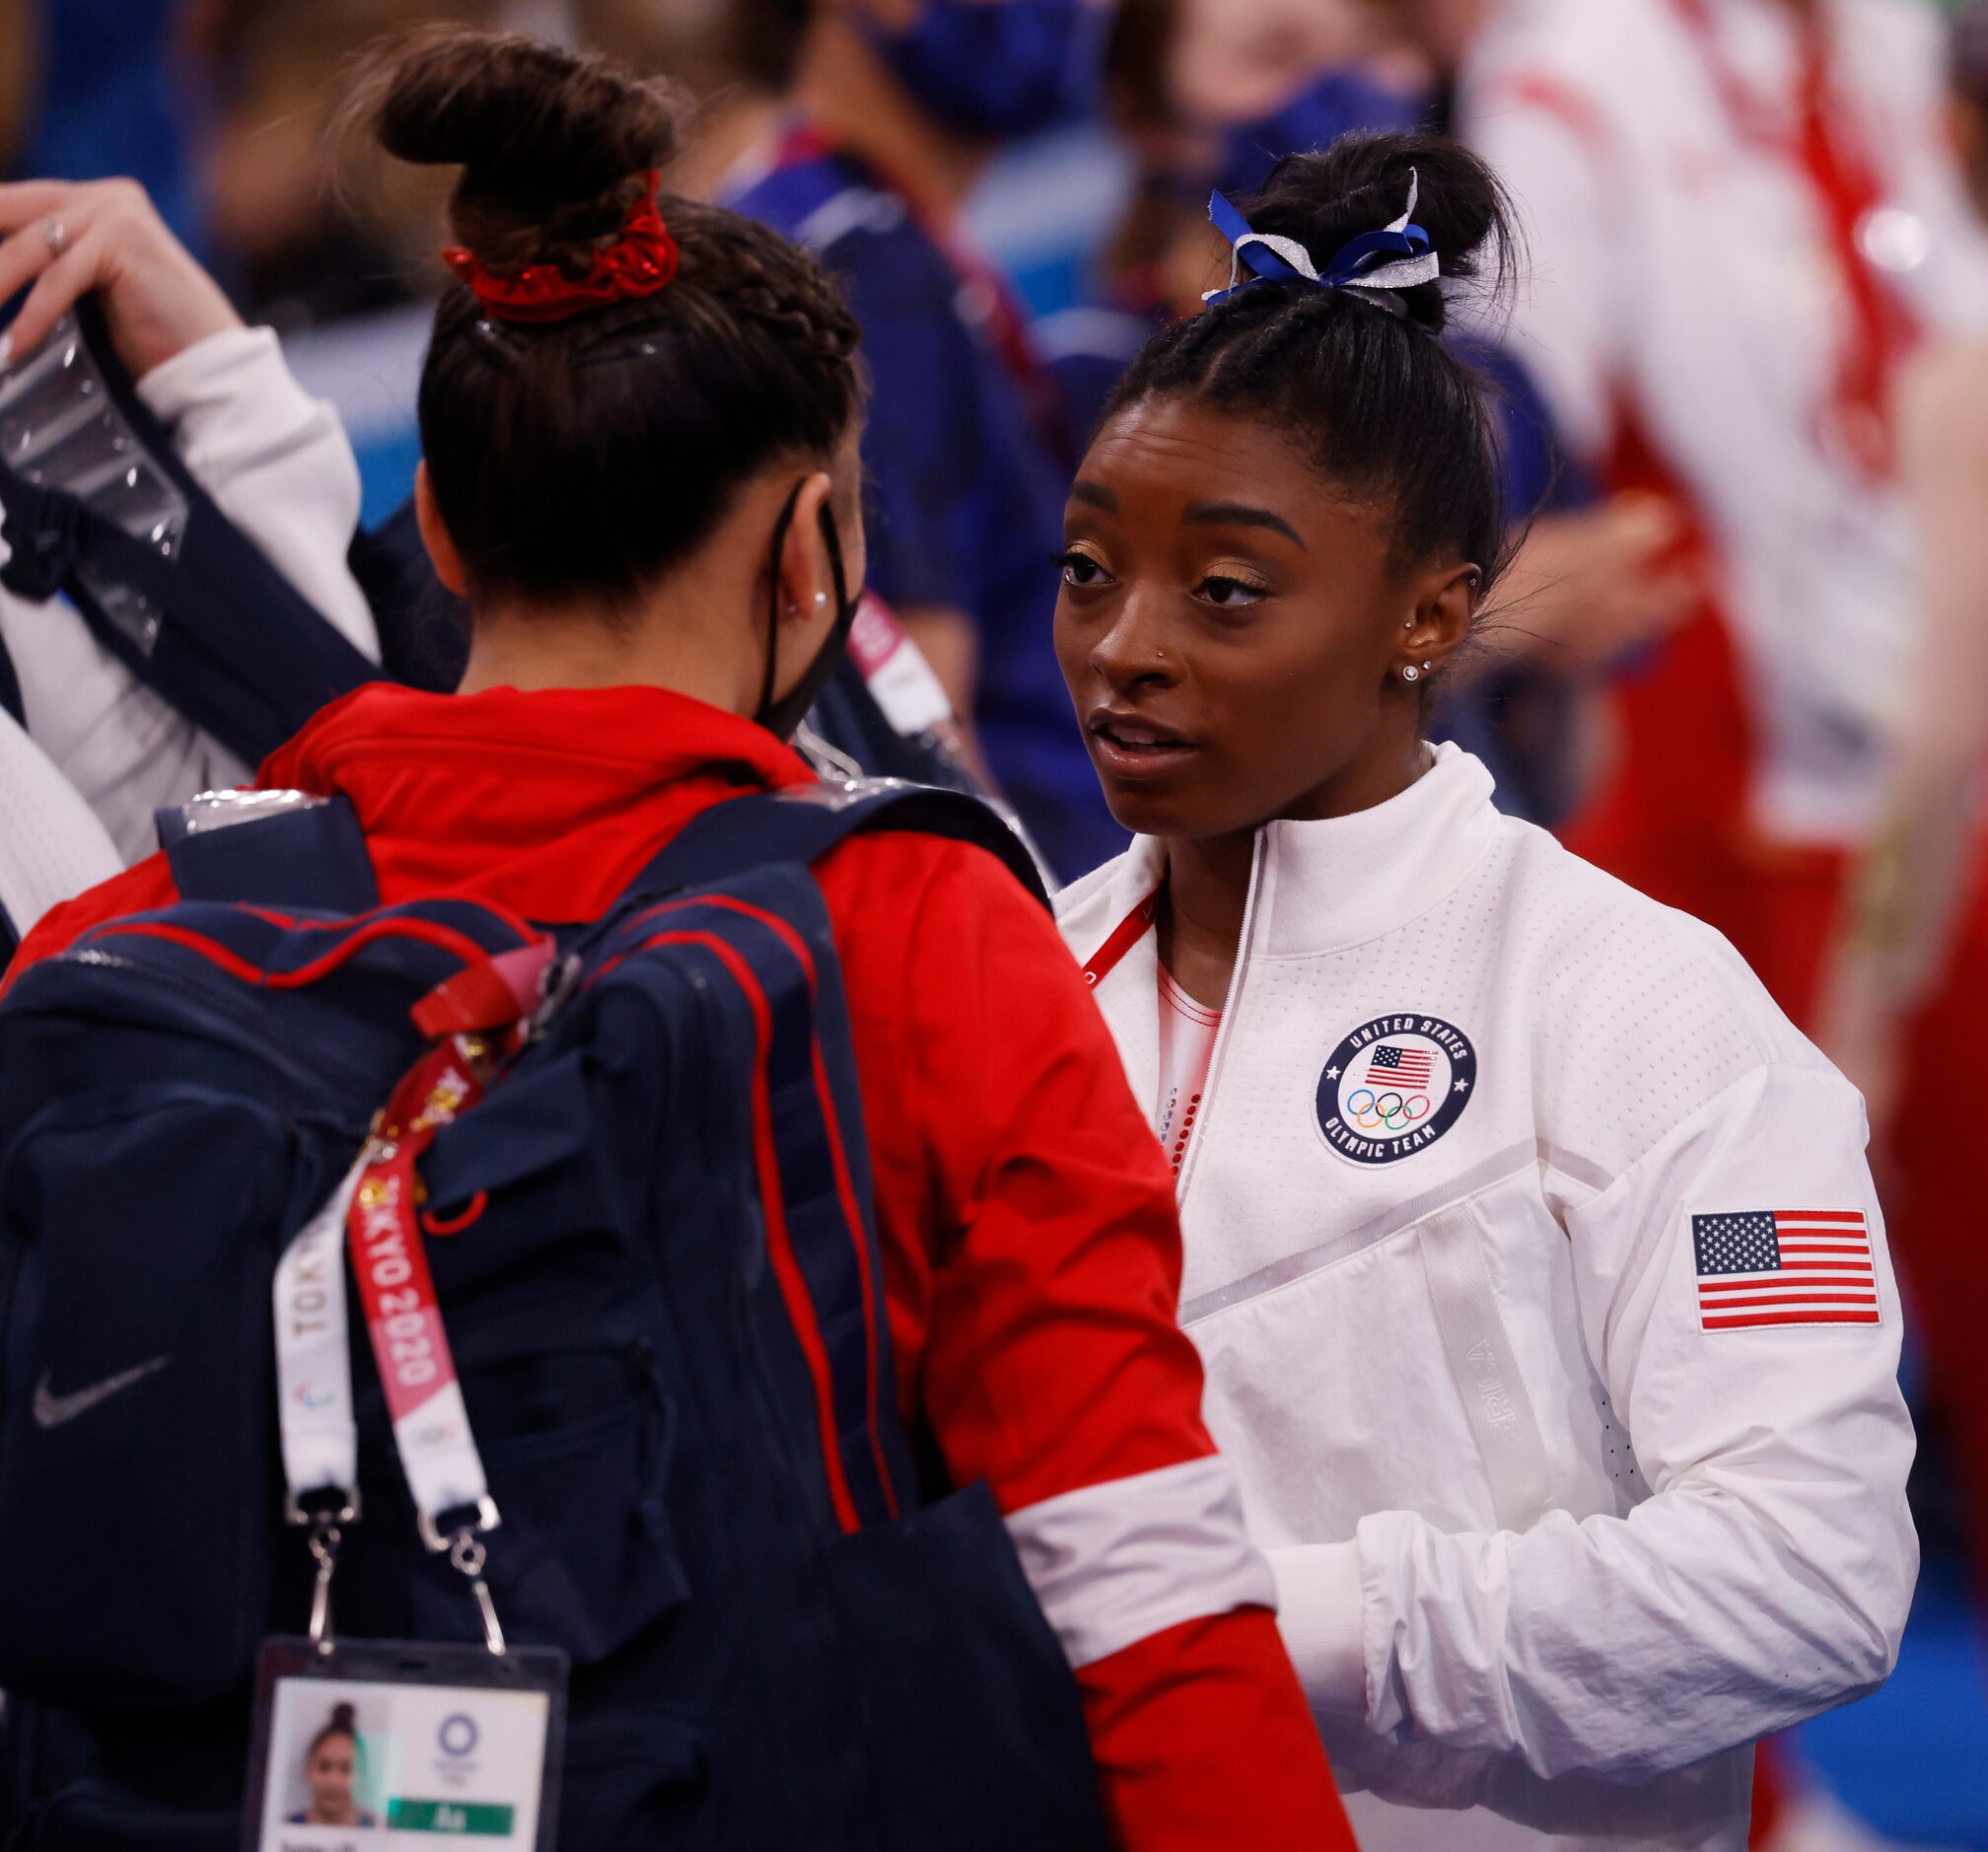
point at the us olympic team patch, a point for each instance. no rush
(1394, 1086)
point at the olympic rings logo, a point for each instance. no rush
(1367, 1110)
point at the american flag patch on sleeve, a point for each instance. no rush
(1784, 1266)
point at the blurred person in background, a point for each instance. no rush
(218, 108)
(855, 126)
(91, 89)
(1906, 1007)
(266, 161)
(1742, 218)
(1209, 93)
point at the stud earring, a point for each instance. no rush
(820, 599)
(1411, 674)
(792, 609)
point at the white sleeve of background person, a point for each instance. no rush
(1114, 1564)
(51, 848)
(1566, 312)
(1768, 1575)
(277, 464)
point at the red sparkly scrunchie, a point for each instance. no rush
(641, 260)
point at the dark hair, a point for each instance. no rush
(344, 1721)
(587, 457)
(1358, 382)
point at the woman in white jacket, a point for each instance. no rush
(1532, 1255)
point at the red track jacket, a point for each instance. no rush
(1031, 1250)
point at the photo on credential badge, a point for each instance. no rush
(345, 1765)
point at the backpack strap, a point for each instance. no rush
(10, 689)
(274, 848)
(804, 822)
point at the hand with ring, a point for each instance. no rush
(68, 238)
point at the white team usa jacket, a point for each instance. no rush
(1549, 1322)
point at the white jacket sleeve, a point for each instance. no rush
(1765, 1579)
(277, 464)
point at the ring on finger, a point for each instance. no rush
(55, 235)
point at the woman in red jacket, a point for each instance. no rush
(640, 425)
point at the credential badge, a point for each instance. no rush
(1394, 1086)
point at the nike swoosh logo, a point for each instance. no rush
(52, 1410)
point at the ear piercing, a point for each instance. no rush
(820, 599)
(1412, 673)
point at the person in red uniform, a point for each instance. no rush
(640, 423)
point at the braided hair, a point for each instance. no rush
(587, 457)
(1358, 382)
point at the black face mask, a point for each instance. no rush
(782, 718)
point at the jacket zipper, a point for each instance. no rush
(1229, 1006)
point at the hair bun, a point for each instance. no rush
(1361, 183)
(547, 139)
(343, 1718)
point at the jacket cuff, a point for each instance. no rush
(1320, 1614)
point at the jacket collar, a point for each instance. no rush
(1324, 885)
(562, 750)
(1337, 883)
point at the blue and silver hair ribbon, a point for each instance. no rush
(1353, 265)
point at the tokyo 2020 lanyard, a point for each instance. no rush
(375, 1211)
(313, 1391)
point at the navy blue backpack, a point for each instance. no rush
(785, 1629)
